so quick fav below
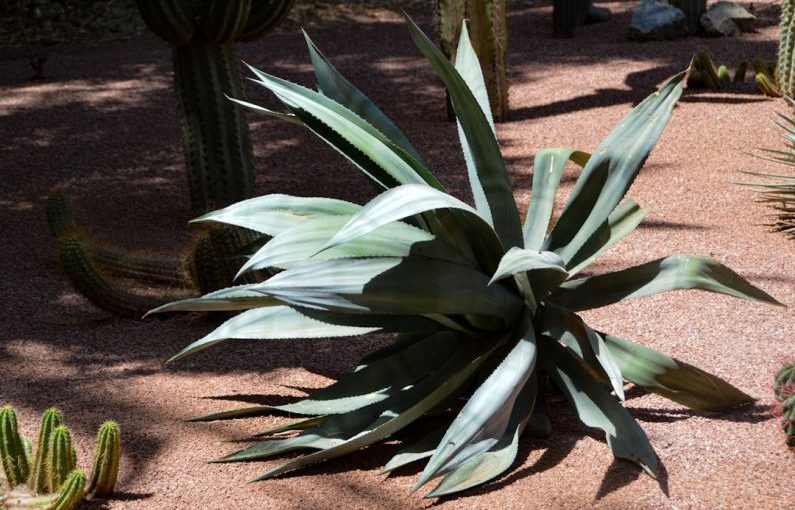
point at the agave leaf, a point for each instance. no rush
(422, 449)
(380, 379)
(597, 408)
(548, 167)
(396, 165)
(304, 424)
(497, 459)
(240, 297)
(273, 214)
(387, 322)
(287, 117)
(233, 414)
(589, 345)
(546, 268)
(672, 378)
(411, 199)
(303, 241)
(413, 285)
(619, 225)
(334, 85)
(490, 181)
(486, 416)
(611, 170)
(406, 407)
(272, 323)
(662, 275)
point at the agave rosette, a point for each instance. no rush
(484, 307)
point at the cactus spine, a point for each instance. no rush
(784, 408)
(106, 461)
(12, 448)
(488, 31)
(71, 493)
(693, 10)
(568, 15)
(61, 458)
(51, 420)
(785, 76)
(784, 379)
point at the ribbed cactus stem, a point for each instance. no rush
(788, 420)
(785, 76)
(51, 420)
(71, 493)
(784, 380)
(59, 213)
(61, 458)
(12, 448)
(106, 461)
(693, 10)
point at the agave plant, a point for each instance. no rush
(485, 307)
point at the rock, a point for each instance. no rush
(727, 19)
(654, 20)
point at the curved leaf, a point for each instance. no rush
(480, 143)
(597, 408)
(278, 322)
(662, 275)
(229, 299)
(545, 268)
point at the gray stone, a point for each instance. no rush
(727, 19)
(654, 20)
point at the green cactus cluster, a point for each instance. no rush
(488, 29)
(784, 76)
(705, 73)
(50, 478)
(765, 76)
(784, 390)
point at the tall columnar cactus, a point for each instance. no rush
(51, 420)
(61, 458)
(693, 10)
(12, 448)
(71, 493)
(489, 32)
(785, 75)
(106, 461)
(568, 15)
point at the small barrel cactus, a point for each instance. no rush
(12, 448)
(61, 458)
(784, 380)
(106, 461)
(51, 420)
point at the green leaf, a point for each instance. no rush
(332, 84)
(273, 214)
(672, 378)
(408, 200)
(497, 459)
(619, 225)
(414, 285)
(611, 169)
(487, 414)
(662, 275)
(545, 268)
(548, 167)
(569, 328)
(396, 165)
(278, 322)
(597, 408)
(422, 449)
(479, 143)
(287, 117)
(229, 299)
(303, 241)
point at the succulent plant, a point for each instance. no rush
(704, 73)
(489, 28)
(54, 482)
(482, 304)
(784, 381)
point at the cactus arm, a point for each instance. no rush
(264, 15)
(12, 448)
(170, 20)
(71, 493)
(106, 461)
(223, 21)
(51, 420)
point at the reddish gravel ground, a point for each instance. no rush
(103, 125)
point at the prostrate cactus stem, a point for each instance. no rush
(71, 493)
(51, 420)
(488, 30)
(12, 448)
(784, 74)
(106, 461)
(61, 458)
